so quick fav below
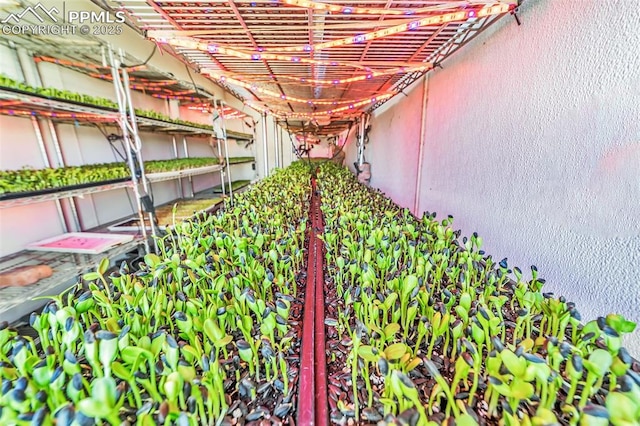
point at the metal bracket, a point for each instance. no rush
(515, 15)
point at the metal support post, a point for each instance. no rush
(47, 163)
(29, 71)
(185, 147)
(264, 144)
(282, 145)
(176, 156)
(226, 150)
(423, 128)
(138, 144)
(361, 141)
(217, 116)
(276, 141)
(62, 163)
(131, 147)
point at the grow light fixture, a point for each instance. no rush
(351, 107)
(254, 87)
(308, 4)
(457, 16)
(194, 44)
(393, 71)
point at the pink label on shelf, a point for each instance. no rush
(89, 243)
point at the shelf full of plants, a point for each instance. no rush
(19, 99)
(27, 186)
(424, 329)
(205, 332)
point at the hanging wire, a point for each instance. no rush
(146, 61)
(117, 154)
(195, 88)
(295, 148)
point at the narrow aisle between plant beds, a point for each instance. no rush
(313, 384)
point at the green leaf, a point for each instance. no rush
(521, 389)
(366, 352)
(391, 329)
(121, 371)
(152, 260)
(599, 362)
(91, 276)
(395, 351)
(103, 266)
(410, 282)
(223, 342)
(466, 420)
(190, 353)
(259, 241)
(103, 389)
(622, 409)
(515, 364)
(92, 408)
(413, 364)
(212, 330)
(620, 324)
(465, 301)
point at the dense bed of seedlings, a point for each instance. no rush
(424, 329)
(206, 332)
(24, 180)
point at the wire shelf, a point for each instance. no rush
(16, 302)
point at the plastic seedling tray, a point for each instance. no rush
(164, 214)
(80, 242)
(130, 225)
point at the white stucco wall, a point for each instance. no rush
(533, 140)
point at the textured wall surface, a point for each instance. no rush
(533, 140)
(393, 146)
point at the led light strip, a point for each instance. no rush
(351, 10)
(177, 97)
(80, 64)
(353, 107)
(141, 81)
(461, 15)
(273, 94)
(229, 113)
(214, 48)
(68, 63)
(173, 39)
(368, 76)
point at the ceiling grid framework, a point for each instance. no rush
(319, 63)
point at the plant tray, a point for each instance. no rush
(164, 214)
(26, 194)
(80, 242)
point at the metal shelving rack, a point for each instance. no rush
(45, 112)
